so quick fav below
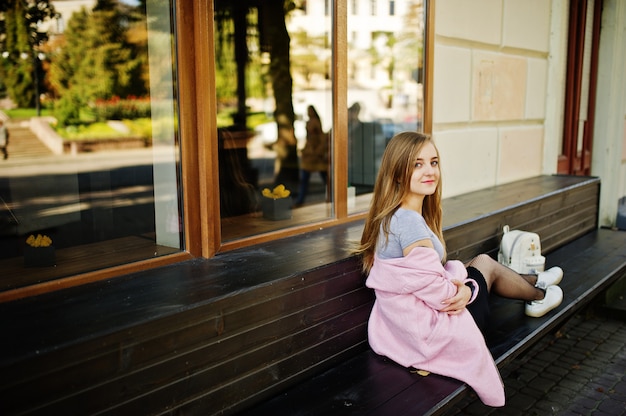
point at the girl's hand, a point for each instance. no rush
(458, 302)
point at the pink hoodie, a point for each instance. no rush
(406, 325)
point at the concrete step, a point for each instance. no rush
(23, 143)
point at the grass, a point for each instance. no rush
(26, 113)
(89, 131)
(225, 119)
(139, 127)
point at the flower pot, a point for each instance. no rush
(39, 256)
(276, 209)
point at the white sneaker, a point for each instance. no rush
(550, 277)
(552, 299)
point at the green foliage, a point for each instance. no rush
(67, 111)
(141, 127)
(256, 78)
(307, 62)
(20, 84)
(255, 119)
(96, 61)
(25, 113)
(225, 118)
(89, 131)
(119, 109)
(19, 41)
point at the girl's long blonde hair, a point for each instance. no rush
(392, 185)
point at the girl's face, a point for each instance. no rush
(425, 176)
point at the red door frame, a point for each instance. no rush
(573, 161)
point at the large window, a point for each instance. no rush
(275, 73)
(274, 116)
(171, 130)
(92, 181)
(385, 90)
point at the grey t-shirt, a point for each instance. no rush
(406, 227)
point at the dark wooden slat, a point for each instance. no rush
(367, 383)
(576, 206)
(253, 336)
(148, 296)
(475, 205)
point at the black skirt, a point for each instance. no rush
(480, 307)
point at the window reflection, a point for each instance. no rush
(98, 172)
(273, 66)
(385, 90)
(274, 114)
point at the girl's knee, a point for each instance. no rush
(482, 260)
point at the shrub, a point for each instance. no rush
(67, 112)
(117, 108)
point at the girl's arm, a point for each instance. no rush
(421, 243)
(455, 304)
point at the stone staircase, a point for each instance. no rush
(23, 144)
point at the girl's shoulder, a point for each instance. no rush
(403, 214)
(407, 221)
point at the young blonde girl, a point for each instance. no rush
(429, 312)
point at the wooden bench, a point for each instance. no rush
(280, 327)
(368, 384)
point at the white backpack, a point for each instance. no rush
(521, 251)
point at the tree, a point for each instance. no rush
(273, 23)
(95, 61)
(20, 40)
(274, 40)
(309, 62)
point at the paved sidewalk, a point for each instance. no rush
(578, 370)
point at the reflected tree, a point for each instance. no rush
(273, 40)
(20, 40)
(95, 60)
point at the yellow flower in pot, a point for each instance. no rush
(276, 203)
(277, 193)
(39, 251)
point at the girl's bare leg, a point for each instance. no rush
(506, 282)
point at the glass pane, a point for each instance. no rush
(385, 86)
(92, 178)
(273, 77)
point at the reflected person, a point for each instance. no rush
(314, 156)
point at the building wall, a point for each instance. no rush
(491, 75)
(622, 182)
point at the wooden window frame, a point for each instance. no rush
(202, 219)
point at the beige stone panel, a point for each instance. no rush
(624, 143)
(451, 99)
(521, 151)
(475, 20)
(468, 159)
(526, 24)
(498, 87)
(621, 188)
(536, 90)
